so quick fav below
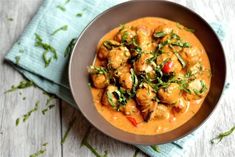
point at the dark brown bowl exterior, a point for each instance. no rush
(84, 53)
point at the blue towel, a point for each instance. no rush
(76, 14)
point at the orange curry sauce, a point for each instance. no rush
(175, 119)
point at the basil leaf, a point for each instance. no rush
(221, 136)
(110, 99)
(21, 85)
(181, 60)
(62, 28)
(47, 48)
(155, 148)
(70, 47)
(159, 34)
(71, 123)
(97, 70)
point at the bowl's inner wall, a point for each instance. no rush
(84, 54)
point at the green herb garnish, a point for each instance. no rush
(189, 29)
(71, 123)
(40, 152)
(44, 111)
(28, 114)
(79, 14)
(221, 136)
(17, 58)
(122, 27)
(185, 28)
(136, 49)
(175, 36)
(110, 99)
(155, 148)
(62, 6)
(184, 86)
(134, 81)
(97, 70)
(159, 34)
(46, 60)
(181, 60)
(85, 142)
(62, 28)
(136, 152)
(179, 25)
(10, 19)
(49, 99)
(70, 47)
(186, 44)
(188, 74)
(66, 1)
(17, 121)
(227, 85)
(120, 97)
(45, 144)
(47, 48)
(181, 44)
(176, 144)
(124, 37)
(47, 108)
(202, 90)
(89, 85)
(110, 44)
(21, 85)
(21, 51)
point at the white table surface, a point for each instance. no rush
(27, 138)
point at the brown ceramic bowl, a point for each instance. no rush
(84, 53)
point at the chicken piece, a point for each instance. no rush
(196, 69)
(126, 81)
(118, 57)
(125, 34)
(108, 98)
(144, 37)
(99, 76)
(169, 94)
(145, 99)
(100, 80)
(197, 89)
(177, 66)
(126, 76)
(106, 47)
(142, 65)
(161, 112)
(191, 55)
(145, 94)
(130, 108)
(166, 29)
(181, 106)
(122, 69)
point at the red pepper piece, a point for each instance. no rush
(167, 68)
(133, 121)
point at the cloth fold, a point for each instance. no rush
(74, 14)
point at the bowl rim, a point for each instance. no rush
(134, 1)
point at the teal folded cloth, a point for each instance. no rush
(72, 17)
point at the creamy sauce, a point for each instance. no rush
(119, 120)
